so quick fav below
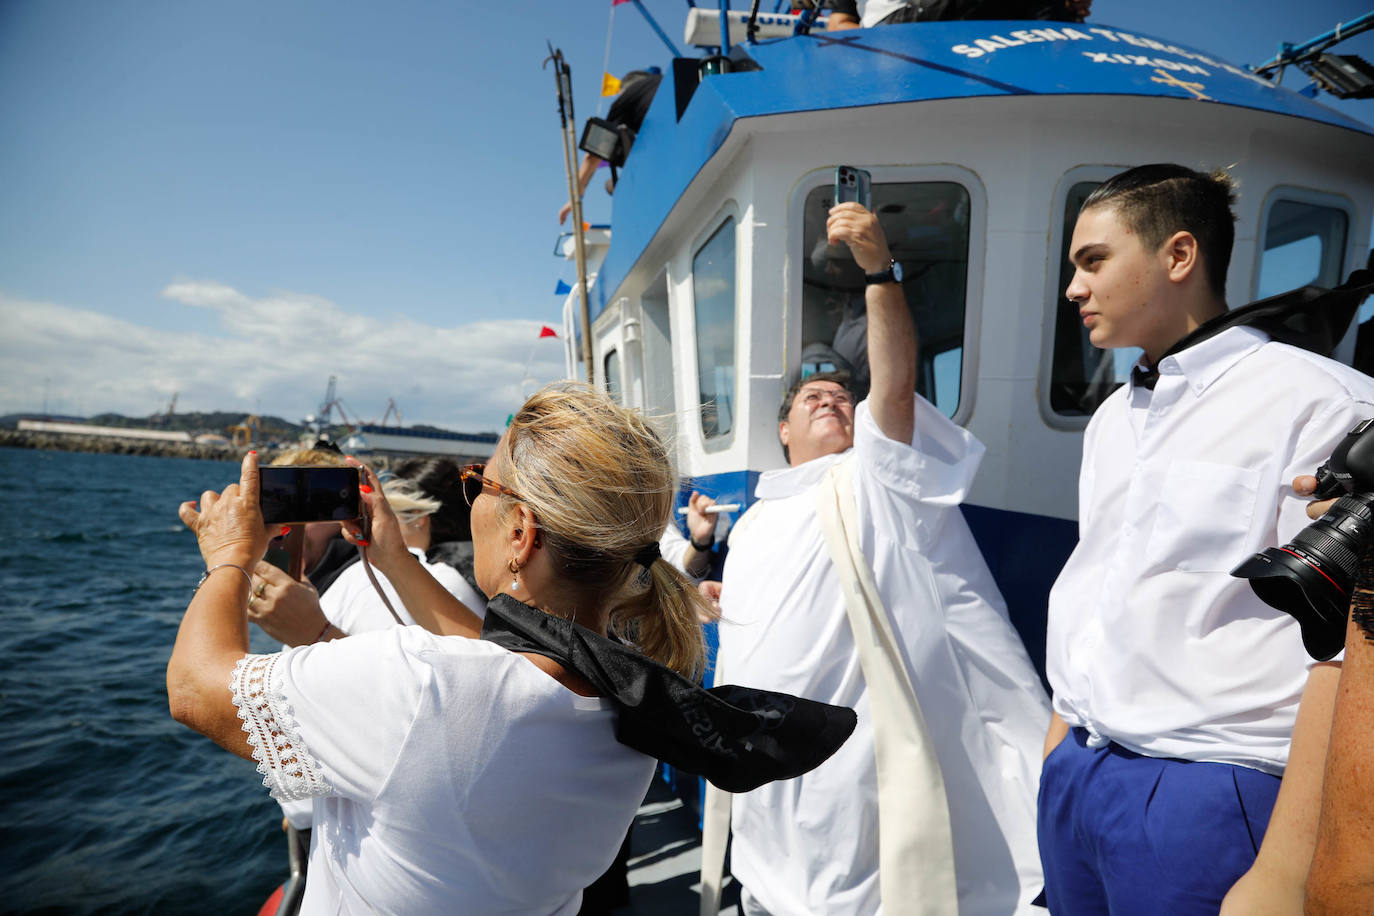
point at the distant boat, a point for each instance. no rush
(373, 439)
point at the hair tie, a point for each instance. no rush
(647, 554)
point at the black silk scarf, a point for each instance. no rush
(737, 737)
(1310, 318)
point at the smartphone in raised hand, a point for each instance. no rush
(855, 185)
(298, 495)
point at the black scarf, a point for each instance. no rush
(1311, 318)
(737, 737)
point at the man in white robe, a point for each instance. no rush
(810, 845)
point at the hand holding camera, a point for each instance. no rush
(1312, 577)
(229, 526)
(377, 528)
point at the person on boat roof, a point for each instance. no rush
(853, 14)
(956, 693)
(637, 90)
(1185, 708)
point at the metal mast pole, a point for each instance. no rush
(562, 75)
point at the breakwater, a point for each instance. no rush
(114, 445)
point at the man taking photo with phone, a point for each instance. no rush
(872, 493)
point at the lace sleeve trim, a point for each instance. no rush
(288, 770)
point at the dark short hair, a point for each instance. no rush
(441, 479)
(1157, 200)
(839, 377)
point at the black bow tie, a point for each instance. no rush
(1145, 376)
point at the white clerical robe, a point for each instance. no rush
(810, 845)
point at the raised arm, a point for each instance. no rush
(891, 333)
(214, 631)
(432, 605)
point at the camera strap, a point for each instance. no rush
(377, 586)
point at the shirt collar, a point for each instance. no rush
(784, 482)
(1203, 362)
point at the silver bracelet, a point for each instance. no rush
(205, 575)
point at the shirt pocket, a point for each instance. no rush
(1202, 517)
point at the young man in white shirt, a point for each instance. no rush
(811, 845)
(1176, 690)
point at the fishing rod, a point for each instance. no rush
(562, 76)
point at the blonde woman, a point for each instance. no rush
(496, 769)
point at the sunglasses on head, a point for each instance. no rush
(473, 482)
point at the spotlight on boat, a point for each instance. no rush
(1346, 76)
(606, 141)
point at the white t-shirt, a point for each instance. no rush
(449, 775)
(352, 605)
(1151, 642)
(810, 845)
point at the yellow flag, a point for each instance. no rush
(609, 85)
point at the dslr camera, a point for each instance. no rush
(1312, 576)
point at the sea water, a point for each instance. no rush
(106, 804)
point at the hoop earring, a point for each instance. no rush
(515, 573)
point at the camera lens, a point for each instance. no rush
(1311, 576)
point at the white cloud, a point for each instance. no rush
(273, 355)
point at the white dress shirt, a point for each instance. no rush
(810, 845)
(1151, 642)
(352, 604)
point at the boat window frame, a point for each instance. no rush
(616, 393)
(728, 211)
(938, 173)
(1052, 295)
(1286, 193)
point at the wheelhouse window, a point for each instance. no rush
(713, 291)
(1081, 375)
(927, 228)
(1303, 245)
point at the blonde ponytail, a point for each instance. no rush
(601, 483)
(664, 622)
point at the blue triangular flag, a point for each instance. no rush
(562, 289)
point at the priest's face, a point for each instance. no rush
(821, 422)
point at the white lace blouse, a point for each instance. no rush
(446, 772)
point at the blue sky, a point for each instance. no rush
(233, 201)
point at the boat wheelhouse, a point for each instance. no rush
(715, 287)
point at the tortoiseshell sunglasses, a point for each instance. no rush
(473, 482)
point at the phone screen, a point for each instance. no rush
(291, 495)
(853, 184)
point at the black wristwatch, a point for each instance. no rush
(893, 274)
(703, 548)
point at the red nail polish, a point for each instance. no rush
(252, 451)
(362, 543)
(285, 529)
(365, 488)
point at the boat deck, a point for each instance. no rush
(665, 860)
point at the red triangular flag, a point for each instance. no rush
(547, 331)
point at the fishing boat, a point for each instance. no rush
(401, 441)
(713, 288)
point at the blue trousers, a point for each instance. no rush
(1129, 835)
